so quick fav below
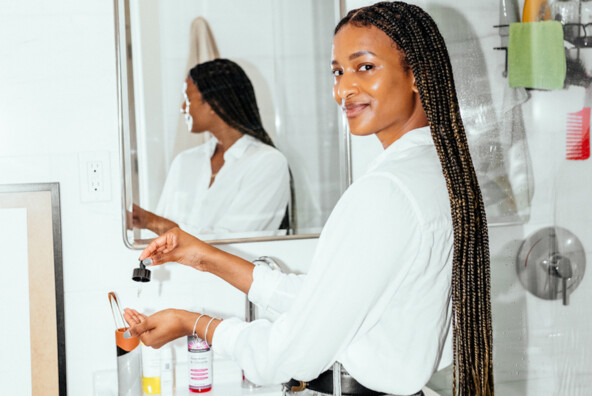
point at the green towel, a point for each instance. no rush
(536, 57)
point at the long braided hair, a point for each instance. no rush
(424, 52)
(224, 85)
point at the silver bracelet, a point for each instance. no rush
(206, 334)
(195, 325)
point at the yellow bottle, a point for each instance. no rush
(536, 10)
(151, 385)
(150, 370)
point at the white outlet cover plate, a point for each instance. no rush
(88, 193)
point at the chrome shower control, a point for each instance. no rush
(551, 263)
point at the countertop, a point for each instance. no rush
(227, 382)
(227, 378)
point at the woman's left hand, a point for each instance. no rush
(142, 218)
(160, 328)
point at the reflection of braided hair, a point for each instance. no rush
(226, 88)
(424, 51)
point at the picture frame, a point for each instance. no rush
(34, 339)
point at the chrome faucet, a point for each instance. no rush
(551, 263)
(559, 267)
(251, 309)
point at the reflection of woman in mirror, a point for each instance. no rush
(237, 181)
(403, 255)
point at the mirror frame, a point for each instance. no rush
(127, 131)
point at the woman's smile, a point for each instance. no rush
(354, 109)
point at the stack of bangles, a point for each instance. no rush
(205, 338)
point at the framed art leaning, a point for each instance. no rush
(32, 337)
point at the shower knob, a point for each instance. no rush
(551, 263)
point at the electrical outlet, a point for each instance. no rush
(95, 184)
(95, 177)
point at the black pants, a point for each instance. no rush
(323, 385)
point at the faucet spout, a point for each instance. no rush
(560, 267)
(251, 309)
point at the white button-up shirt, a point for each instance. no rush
(248, 197)
(377, 295)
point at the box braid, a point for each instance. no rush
(226, 88)
(424, 52)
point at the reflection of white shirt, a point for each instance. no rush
(377, 296)
(250, 192)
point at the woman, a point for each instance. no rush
(402, 243)
(237, 181)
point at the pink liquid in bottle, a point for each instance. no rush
(200, 365)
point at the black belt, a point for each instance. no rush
(324, 384)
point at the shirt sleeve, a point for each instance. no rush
(273, 290)
(365, 251)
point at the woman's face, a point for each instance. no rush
(198, 113)
(371, 85)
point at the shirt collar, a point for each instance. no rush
(235, 151)
(239, 147)
(210, 145)
(415, 137)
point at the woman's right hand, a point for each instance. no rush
(178, 246)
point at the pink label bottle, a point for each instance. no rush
(200, 365)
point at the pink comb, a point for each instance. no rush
(578, 135)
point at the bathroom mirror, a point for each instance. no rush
(284, 47)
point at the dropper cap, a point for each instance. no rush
(141, 274)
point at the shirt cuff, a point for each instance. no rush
(225, 337)
(265, 282)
